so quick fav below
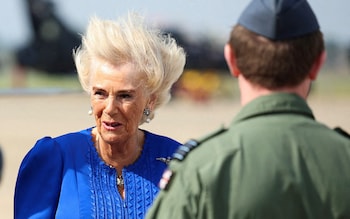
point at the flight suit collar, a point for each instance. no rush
(273, 104)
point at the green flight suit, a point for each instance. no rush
(274, 161)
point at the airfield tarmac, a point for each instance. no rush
(27, 117)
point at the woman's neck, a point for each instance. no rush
(119, 155)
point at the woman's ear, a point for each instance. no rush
(152, 101)
(231, 60)
(317, 65)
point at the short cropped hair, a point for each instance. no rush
(275, 64)
(130, 40)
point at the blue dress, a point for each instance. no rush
(64, 177)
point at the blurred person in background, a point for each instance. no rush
(275, 160)
(1, 163)
(110, 170)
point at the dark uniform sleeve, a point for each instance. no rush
(38, 182)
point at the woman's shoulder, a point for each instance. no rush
(160, 145)
(160, 139)
(60, 142)
(84, 134)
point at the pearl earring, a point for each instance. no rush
(90, 112)
(147, 112)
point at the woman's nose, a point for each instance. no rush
(110, 105)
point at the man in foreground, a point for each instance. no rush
(275, 160)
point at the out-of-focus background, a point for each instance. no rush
(40, 94)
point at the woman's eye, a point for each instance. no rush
(125, 96)
(99, 93)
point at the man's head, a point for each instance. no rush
(276, 43)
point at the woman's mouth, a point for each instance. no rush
(110, 125)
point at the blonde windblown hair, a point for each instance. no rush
(130, 40)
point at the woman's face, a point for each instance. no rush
(118, 98)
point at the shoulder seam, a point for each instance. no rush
(186, 148)
(342, 132)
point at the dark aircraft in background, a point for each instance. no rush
(202, 53)
(50, 47)
(52, 42)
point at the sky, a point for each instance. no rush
(212, 17)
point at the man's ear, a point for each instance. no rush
(231, 60)
(317, 66)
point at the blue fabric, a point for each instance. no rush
(64, 177)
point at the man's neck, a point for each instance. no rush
(250, 91)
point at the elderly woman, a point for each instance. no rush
(111, 170)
